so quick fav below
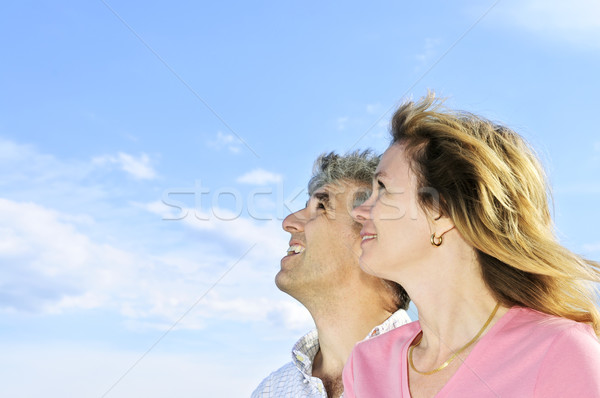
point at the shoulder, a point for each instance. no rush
(376, 362)
(384, 342)
(527, 333)
(285, 375)
(568, 353)
(571, 366)
(397, 319)
(575, 344)
(540, 327)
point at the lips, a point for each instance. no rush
(367, 236)
(294, 249)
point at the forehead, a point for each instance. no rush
(338, 190)
(393, 164)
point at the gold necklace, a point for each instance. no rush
(453, 357)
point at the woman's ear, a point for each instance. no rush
(442, 225)
(439, 224)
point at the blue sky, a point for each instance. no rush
(110, 109)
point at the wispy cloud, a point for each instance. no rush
(139, 168)
(64, 369)
(429, 53)
(576, 22)
(595, 156)
(229, 225)
(578, 188)
(228, 141)
(22, 162)
(592, 247)
(342, 122)
(374, 109)
(260, 177)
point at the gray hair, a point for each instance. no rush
(331, 168)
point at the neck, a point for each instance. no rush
(454, 322)
(341, 323)
(452, 298)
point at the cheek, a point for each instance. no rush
(389, 208)
(402, 237)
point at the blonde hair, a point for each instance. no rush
(491, 184)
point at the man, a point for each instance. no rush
(321, 271)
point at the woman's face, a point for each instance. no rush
(396, 231)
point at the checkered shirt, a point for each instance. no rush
(295, 380)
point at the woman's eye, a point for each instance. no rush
(380, 185)
(320, 205)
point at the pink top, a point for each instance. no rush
(525, 354)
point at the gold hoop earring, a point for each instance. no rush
(436, 241)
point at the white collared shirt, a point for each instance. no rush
(295, 379)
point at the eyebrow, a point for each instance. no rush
(323, 197)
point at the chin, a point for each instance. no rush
(284, 282)
(369, 269)
(280, 281)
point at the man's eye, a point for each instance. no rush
(380, 185)
(320, 205)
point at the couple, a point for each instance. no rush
(458, 216)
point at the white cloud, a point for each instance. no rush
(159, 208)
(259, 177)
(139, 168)
(27, 163)
(56, 259)
(50, 266)
(268, 234)
(21, 162)
(576, 22)
(265, 228)
(260, 265)
(279, 312)
(229, 141)
(13, 152)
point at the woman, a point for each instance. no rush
(459, 217)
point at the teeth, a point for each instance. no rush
(365, 237)
(295, 249)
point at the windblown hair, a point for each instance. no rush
(491, 184)
(356, 167)
(330, 168)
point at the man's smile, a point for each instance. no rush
(294, 249)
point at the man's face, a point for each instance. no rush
(325, 242)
